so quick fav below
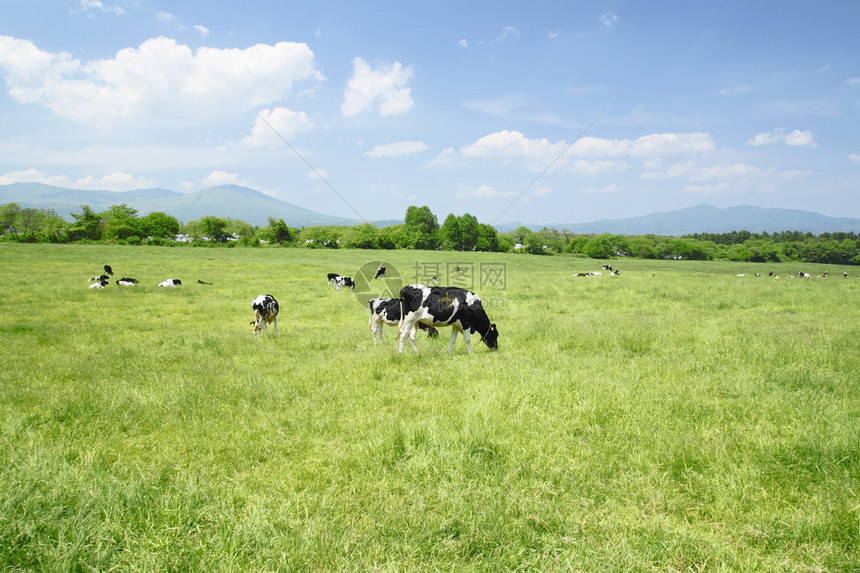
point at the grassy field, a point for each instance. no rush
(674, 418)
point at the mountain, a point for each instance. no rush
(233, 201)
(237, 202)
(709, 219)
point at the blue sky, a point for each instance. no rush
(537, 112)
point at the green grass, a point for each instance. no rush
(676, 417)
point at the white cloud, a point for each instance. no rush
(397, 149)
(510, 31)
(608, 19)
(161, 81)
(381, 89)
(464, 43)
(117, 181)
(486, 191)
(165, 16)
(795, 138)
(272, 125)
(513, 144)
(220, 178)
(854, 157)
(98, 5)
(204, 31)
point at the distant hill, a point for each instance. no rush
(233, 201)
(709, 219)
(237, 202)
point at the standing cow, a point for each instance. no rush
(444, 306)
(387, 311)
(265, 312)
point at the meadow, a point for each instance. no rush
(674, 418)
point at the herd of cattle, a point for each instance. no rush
(419, 307)
(103, 280)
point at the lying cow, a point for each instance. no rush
(444, 306)
(387, 310)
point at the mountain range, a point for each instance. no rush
(249, 205)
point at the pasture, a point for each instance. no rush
(674, 418)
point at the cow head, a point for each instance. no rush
(492, 338)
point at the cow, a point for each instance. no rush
(444, 306)
(99, 279)
(170, 283)
(127, 281)
(379, 272)
(344, 281)
(102, 283)
(265, 312)
(108, 270)
(387, 310)
(331, 277)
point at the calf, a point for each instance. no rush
(127, 281)
(265, 312)
(170, 283)
(344, 281)
(444, 306)
(379, 272)
(387, 310)
(108, 270)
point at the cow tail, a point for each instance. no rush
(400, 322)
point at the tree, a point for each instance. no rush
(488, 238)
(121, 224)
(278, 232)
(159, 225)
(423, 223)
(214, 228)
(363, 236)
(7, 217)
(87, 226)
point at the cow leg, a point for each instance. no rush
(453, 339)
(467, 337)
(276, 326)
(408, 329)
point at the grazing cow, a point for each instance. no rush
(127, 281)
(607, 267)
(331, 277)
(379, 272)
(108, 270)
(170, 283)
(265, 312)
(102, 283)
(444, 306)
(344, 281)
(387, 310)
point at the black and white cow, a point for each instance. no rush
(344, 281)
(99, 278)
(379, 272)
(265, 312)
(331, 277)
(108, 270)
(101, 283)
(444, 306)
(387, 310)
(170, 283)
(127, 281)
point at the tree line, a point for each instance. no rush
(122, 224)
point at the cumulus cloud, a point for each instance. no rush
(117, 181)
(87, 5)
(513, 144)
(795, 138)
(380, 89)
(397, 149)
(204, 31)
(272, 125)
(161, 81)
(608, 19)
(220, 178)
